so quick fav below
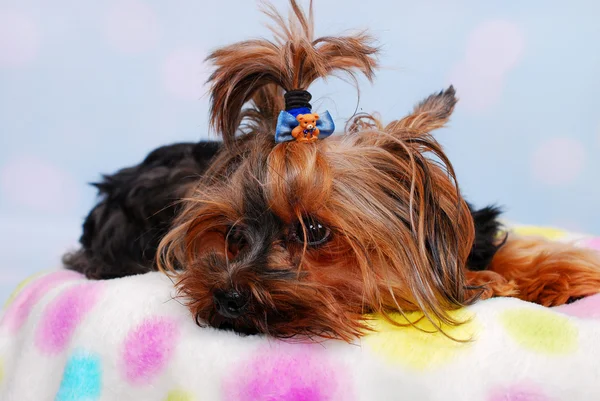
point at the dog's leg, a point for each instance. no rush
(541, 271)
(487, 284)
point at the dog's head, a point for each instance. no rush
(306, 238)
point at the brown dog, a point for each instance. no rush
(306, 238)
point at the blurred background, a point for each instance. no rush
(90, 87)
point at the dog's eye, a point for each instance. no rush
(236, 241)
(316, 233)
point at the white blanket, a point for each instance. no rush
(65, 338)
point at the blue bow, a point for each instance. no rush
(286, 122)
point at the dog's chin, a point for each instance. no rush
(242, 325)
(230, 325)
(286, 329)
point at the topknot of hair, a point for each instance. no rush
(293, 60)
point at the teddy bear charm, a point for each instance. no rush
(298, 122)
(306, 130)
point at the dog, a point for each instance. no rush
(294, 238)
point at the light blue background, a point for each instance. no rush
(89, 87)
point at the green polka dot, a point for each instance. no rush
(421, 347)
(545, 232)
(540, 330)
(179, 395)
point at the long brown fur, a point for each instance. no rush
(547, 272)
(400, 230)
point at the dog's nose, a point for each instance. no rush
(230, 304)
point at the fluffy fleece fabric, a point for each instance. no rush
(65, 338)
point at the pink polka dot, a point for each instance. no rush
(63, 315)
(558, 161)
(148, 349)
(19, 310)
(19, 39)
(588, 307)
(593, 243)
(519, 392)
(493, 49)
(60, 189)
(290, 373)
(132, 26)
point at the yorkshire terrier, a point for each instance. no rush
(268, 233)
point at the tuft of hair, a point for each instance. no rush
(294, 59)
(430, 114)
(265, 104)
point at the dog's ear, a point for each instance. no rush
(426, 197)
(431, 113)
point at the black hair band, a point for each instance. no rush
(296, 99)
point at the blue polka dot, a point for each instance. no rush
(82, 378)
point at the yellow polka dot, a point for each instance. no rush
(179, 395)
(20, 287)
(541, 330)
(421, 347)
(1, 371)
(546, 232)
(24, 284)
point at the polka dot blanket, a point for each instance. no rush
(65, 338)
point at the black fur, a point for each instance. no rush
(487, 229)
(136, 207)
(138, 204)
